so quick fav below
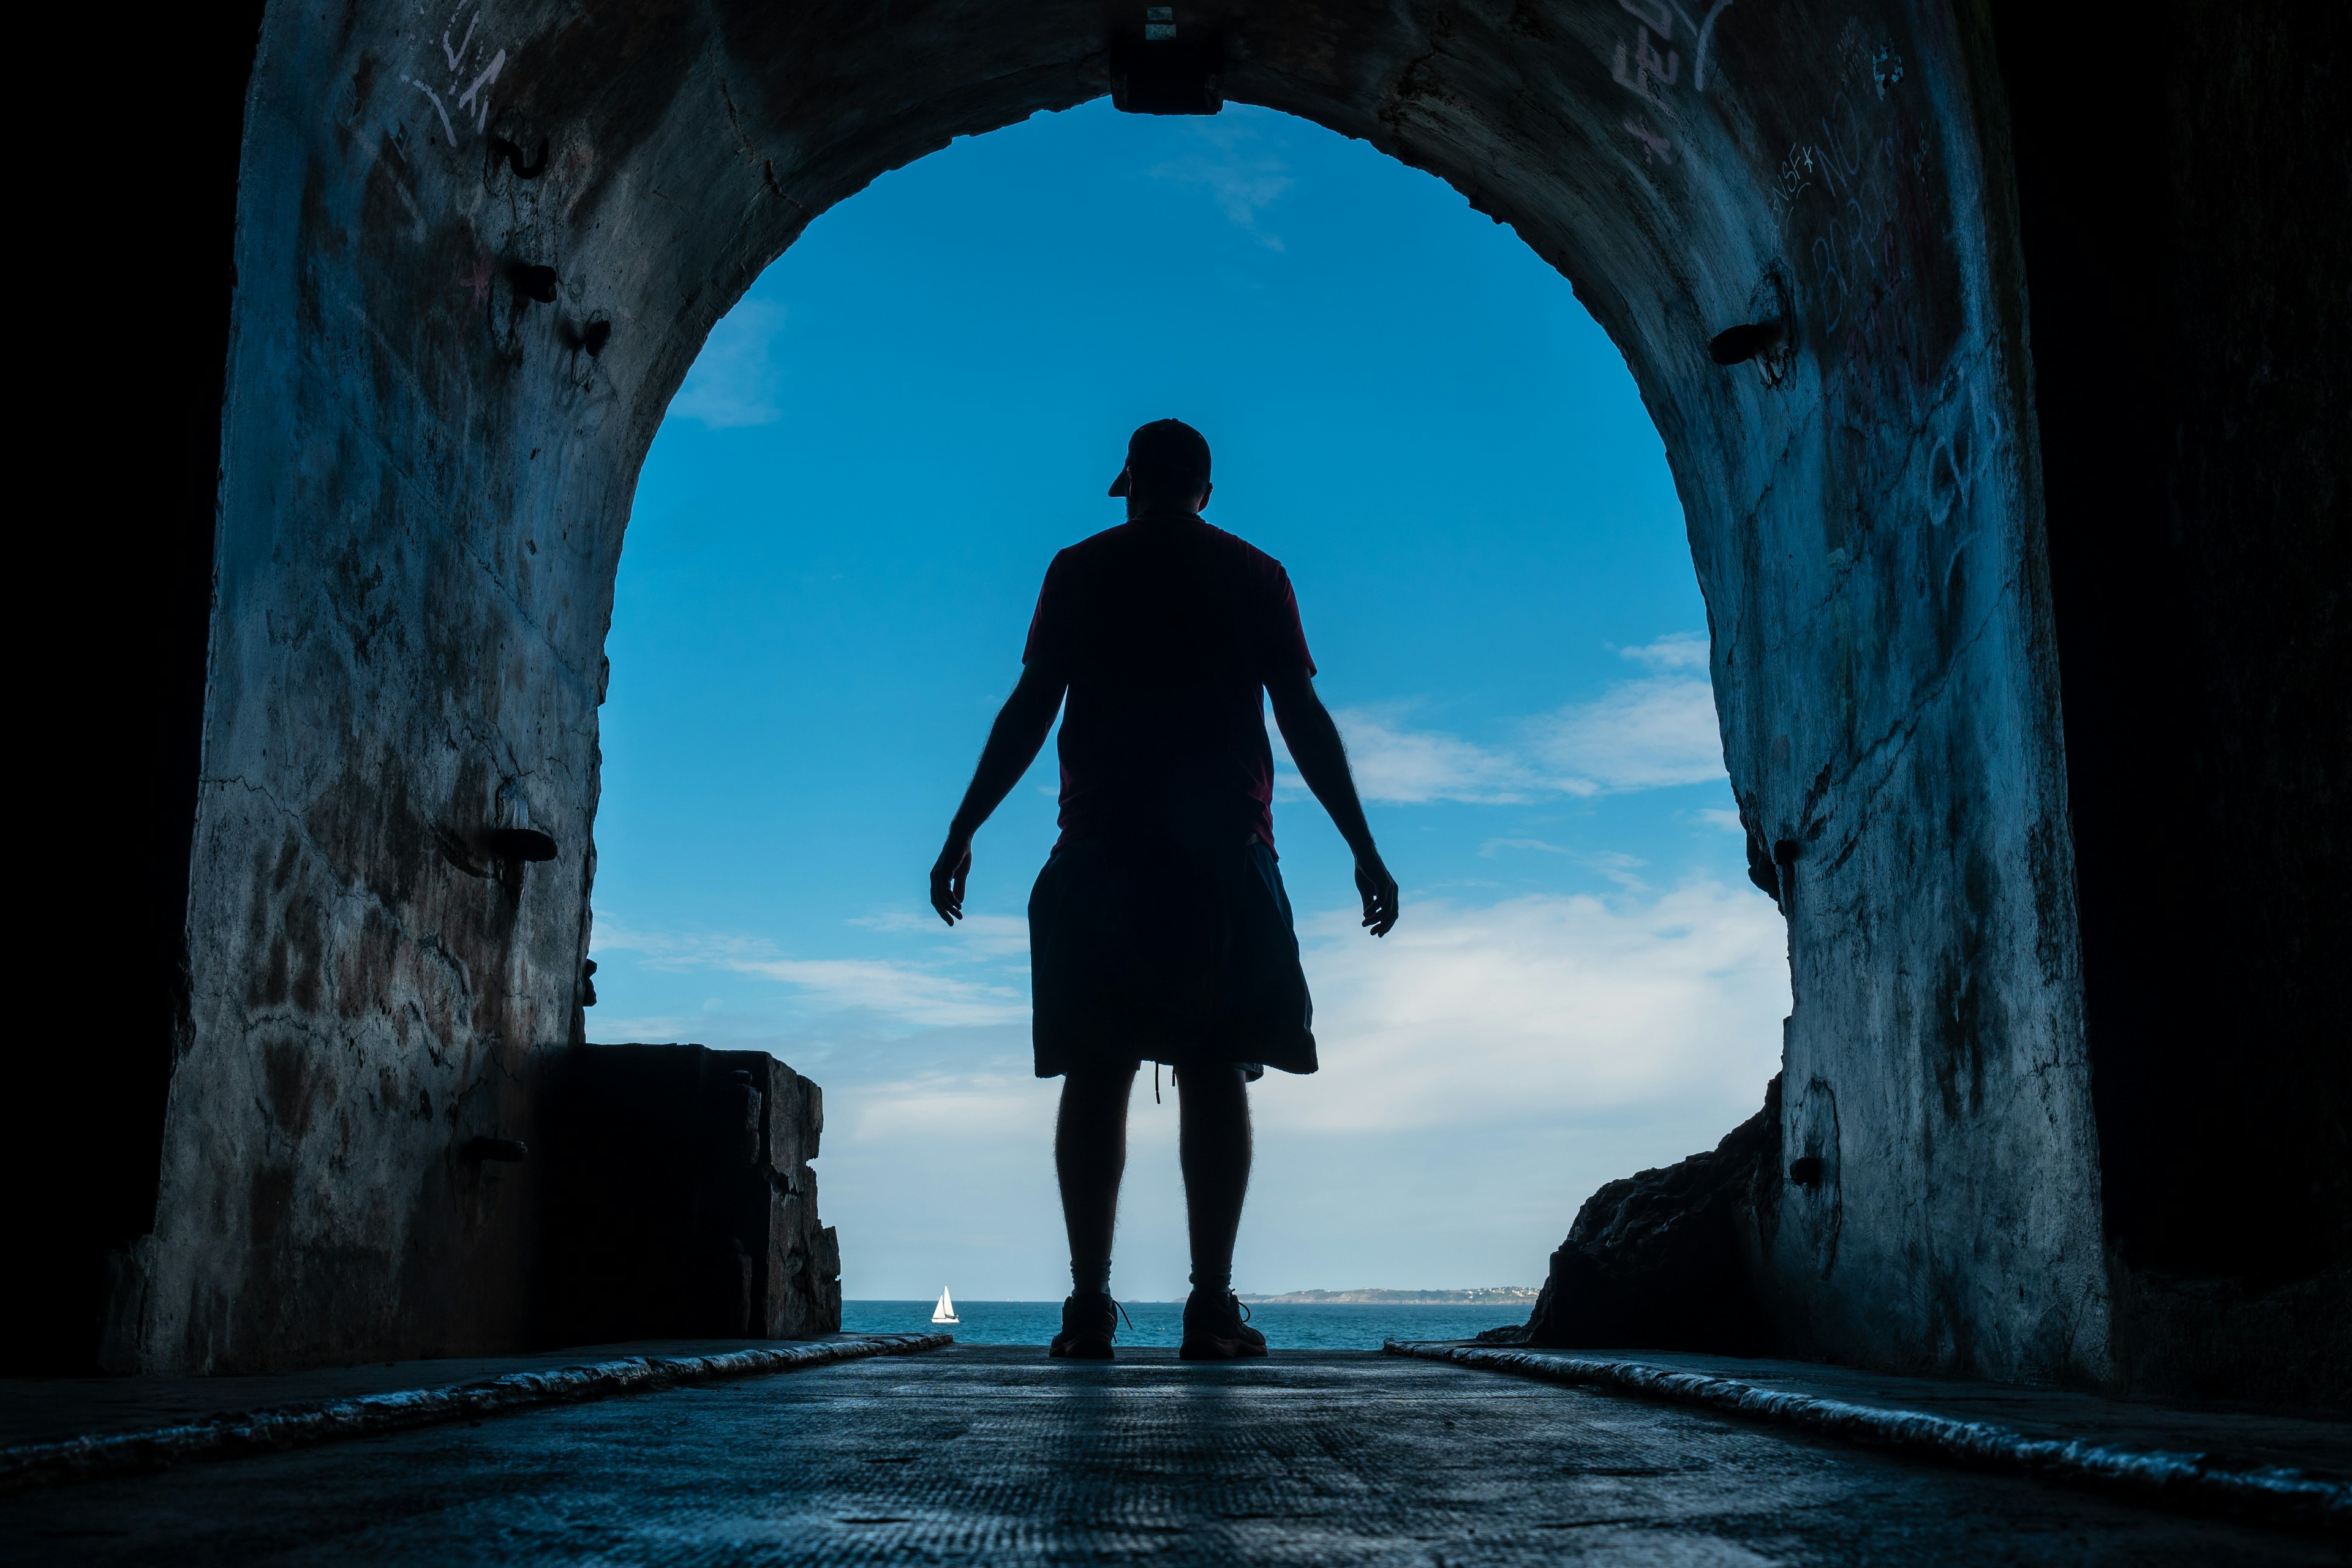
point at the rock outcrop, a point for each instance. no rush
(680, 1199)
(1671, 1259)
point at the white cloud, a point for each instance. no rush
(910, 994)
(735, 380)
(1678, 650)
(1722, 816)
(898, 991)
(661, 950)
(1538, 1011)
(980, 936)
(1640, 734)
(995, 936)
(651, 1028)
(931, 1109)
(1242, 177)
(1621, 869)
(1502, 1059)
(1492, 845)
(1650, 732)
(897, 921)
(1412, 766)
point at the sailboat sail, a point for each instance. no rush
(945, 1312)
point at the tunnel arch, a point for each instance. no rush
(475, 262)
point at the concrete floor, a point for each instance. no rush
(44, 1409)
(995, 1455)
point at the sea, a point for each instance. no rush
(1303, 1326)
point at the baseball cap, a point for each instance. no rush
(1168, 453)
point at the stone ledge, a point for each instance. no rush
(2276, 1495)
(31, 1465)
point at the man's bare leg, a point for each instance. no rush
(1090, 1157)
(1213, 1144)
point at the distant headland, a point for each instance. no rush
(1482, 1295)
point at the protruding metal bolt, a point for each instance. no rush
(1739, 344)
(512, 837)
(522, 844)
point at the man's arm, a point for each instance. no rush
(1014, 742)
(1314, 742)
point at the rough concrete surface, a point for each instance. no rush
(2288, 1472)
(241, 1434)
(471, 271)
(2243, 1433)
(998, 1455)
(48, 1409)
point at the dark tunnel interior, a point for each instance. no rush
(2191, 343)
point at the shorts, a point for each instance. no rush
(1148, 950)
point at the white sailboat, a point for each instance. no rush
(945, 1312)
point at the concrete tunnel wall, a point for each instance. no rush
(426, 477)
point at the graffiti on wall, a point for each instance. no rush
(1650, 63)
(472, 69)
(1853, 201)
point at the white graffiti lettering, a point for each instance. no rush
(436, 100)
(458, 53)
(482, 105)
(1639, 67)
(1655, 147)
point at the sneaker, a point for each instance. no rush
(1089, 1323)
(1216, 1328)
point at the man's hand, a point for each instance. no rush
(1380, 891)
(952, 870)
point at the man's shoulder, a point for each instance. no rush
(1118, 540)
(1094, 545)
(1253, 559)
(1234, 542)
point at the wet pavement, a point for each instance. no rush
(997, 1455)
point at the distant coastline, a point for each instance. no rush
(1483, 1296)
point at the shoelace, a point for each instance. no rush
(1120, 1308)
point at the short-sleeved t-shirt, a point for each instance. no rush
(1166, 631)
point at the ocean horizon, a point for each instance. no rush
(1335, 1325)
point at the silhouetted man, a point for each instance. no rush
(1159, 928)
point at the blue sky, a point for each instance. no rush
(835, 550)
